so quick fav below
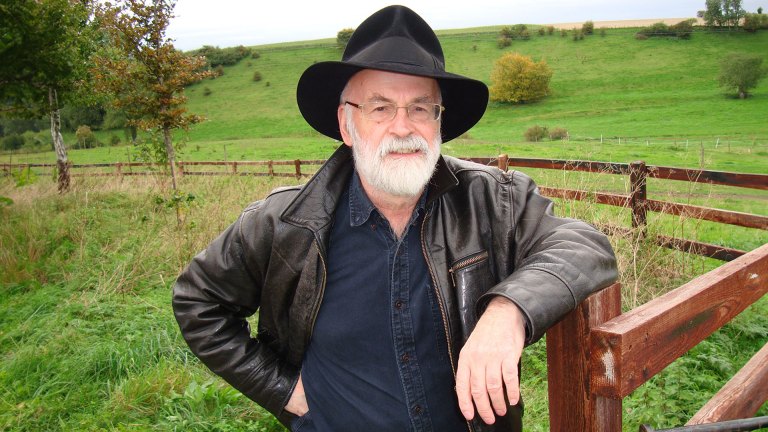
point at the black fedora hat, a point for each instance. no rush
(394, 39)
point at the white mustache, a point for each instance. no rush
(409, 144)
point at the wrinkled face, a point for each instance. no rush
(396, 156)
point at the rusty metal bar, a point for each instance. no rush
(726, 426)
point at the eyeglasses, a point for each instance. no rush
(418, 112)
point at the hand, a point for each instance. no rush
(488, 362)
(297, 404)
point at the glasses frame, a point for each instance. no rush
(397, 107)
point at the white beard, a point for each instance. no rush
(404, 177)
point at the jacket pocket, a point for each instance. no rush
(471, 277)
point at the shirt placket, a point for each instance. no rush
(403, 336)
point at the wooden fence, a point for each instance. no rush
(637, 200)
(596, 356)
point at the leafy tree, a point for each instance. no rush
(44, 49)
(343, 36)
(145, 73)
(741, 72)
(755, 21)
(516, 78)
(722, 13)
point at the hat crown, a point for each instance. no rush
(395, 35)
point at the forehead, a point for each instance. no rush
(369, 83)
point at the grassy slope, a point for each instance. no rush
(660, 96)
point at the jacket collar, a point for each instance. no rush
(315, 204)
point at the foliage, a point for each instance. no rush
(588, 28)
(215, 56)
(343, 36)
(256, 76)
(12, 142)
(741, 73)
(682, 30)
(723, 13)
(558, 133)
(86, 138)
(516, 78)
(145, 74)
(535, 133)
(755, 21)
(44, 45)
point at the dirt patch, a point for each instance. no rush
(626, 23)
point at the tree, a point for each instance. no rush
(516, 78)
(44, 49)
(145, 74)
(741, 72)
(721, 13)
(343, 36)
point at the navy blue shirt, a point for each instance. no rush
(378, 358)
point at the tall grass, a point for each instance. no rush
(88, 340)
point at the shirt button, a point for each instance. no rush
(405, 358)
(373, 227)
(399, 304)
(418, 409)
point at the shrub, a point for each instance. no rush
(641, 36)
(85, 138)
(741, 73)
(563, 32)
(535, 133)
(215, 56)
(578, 35)
(255, 55)
(517, 31)
(219, 70)
(683, 29)
(542, 31)
(588, 28)
(503, 42)
(257, 76)
(755, 22)
(207, 91)
(550, 30)
(343, 36)
(558, 133)
(12, 142)
(516, 78)
(114, 140)
(602, 32)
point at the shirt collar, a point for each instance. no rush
(361, 207)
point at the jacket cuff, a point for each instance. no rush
(542, 297)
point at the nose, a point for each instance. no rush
(402, 125)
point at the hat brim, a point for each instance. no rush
(320, 87)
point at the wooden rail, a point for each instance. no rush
(636, 200)
(596, 357)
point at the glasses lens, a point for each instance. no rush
(379, 111)
(421, 112)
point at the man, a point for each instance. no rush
(397, 288)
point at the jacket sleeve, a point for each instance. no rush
(212, 298)
(558, 262)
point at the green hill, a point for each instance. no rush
(610, 86)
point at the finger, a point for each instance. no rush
(495, 387)
(463, 391)
(480, 396)
(511, 382)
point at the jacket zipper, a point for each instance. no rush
(440, 302)
(316, 307)
(466, 262)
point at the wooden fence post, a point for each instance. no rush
(119, 170)
(572, 407)
(297, 162)
(181, 168)
(234, 167)
(503, 162)
(271, 169)
(638, 193)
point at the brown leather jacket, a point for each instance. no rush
(486, 232)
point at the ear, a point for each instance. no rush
(341, 114)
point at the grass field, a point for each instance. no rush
(87, 338)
